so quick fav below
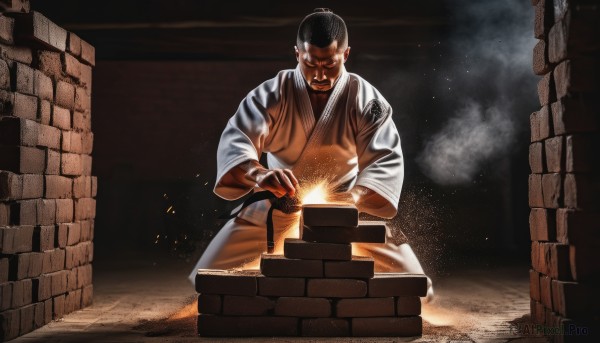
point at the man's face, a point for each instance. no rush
(321, 67)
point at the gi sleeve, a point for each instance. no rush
(380, 161)
(245, 135)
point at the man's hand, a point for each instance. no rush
(279, 181)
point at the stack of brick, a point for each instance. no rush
(317, 288)
(47, 204)
(563, 156)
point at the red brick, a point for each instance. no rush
(543, 18)
(542, 224)
(74, 44)
(397, 284)
(23, 239)
(24, 212)
(3, 270)
(545, 88)
(94, 186)
(39, 316)
(534, 285)
(87, 295)
(61, 235)
(83, 101)
(35, 264)
(280, 287)
(325, 327)
(11, 186)
(366, 232)
(22, 78)
(45, 111)
(583, 262)
(71, 66)
(27, 317)
(4, 73)
(358, 267)
(82, 120)
(72, 301)
(7, 26)
(64, 210)
(5, 295)
(58, 259)
(387, 326)
(65, 95)
(46, 211)
(21, 159)
(555, 154)
(18, 131)
(42, 288)
(88, 53)
(71, 279)
(541, 65)
(86, 164)
(368, 307)
(536, 198)
(577, 227)
(336, 288)
(87, 141)
(238, 305)
(574, 114)
(408, 306)
(329, 215)
(546, 291)
(16, 53)
(75, 144)
(59, 282)
(61, 118)
(572, 34)
(577, 75)
(552, 190)
(303, 307)
(209, 304)
(49, 137)
(58, 187)
(58, 307)
(19, 268)
(22, 292)
(71, 164)
(226, 282)
(279, 266)
(42, 86)
(48, 311)
(52, 162)
(574, 300)
(224, 326)
(82, 187)
(49, 63)
(73, 233)
(10, 322)
(33, 186)
(536, 157)
(18, 105)
(87, 233)
(47, 261)
(85, 208)
(299, 249)
(35, 29)
(7, 237)
(581, 191)
(4, 214)
(86, 78)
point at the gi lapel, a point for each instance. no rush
(314, 131)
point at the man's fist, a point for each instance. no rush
(278, 181)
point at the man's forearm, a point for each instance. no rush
(371, 202)
(243, 175)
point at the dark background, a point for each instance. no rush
(169, 75)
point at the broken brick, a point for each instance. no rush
(366, 232)
(330, 215)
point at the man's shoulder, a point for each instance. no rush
(365, 92)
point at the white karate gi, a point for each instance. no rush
(354, 142)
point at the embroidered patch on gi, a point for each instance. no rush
(375, 110)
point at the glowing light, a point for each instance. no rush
(316, 194)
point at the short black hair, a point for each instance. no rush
(321, 28)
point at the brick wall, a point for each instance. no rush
(563, 156)
(47, 204)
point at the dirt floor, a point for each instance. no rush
(144, 300)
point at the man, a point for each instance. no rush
(315, 122)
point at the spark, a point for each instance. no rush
(197, 175)
(206, 183)
(169, 209)
(316, 194)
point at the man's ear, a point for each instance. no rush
(297, 53)
(346, 54)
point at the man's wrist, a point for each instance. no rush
(252, 169)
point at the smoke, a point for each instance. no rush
(491, 77)
(472, 136)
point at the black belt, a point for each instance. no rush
(285, 204)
